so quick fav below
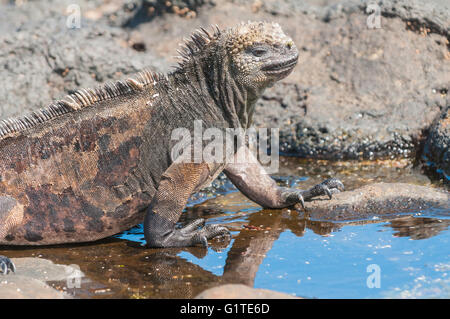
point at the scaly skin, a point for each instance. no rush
(90, 165)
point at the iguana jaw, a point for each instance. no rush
(280, 68)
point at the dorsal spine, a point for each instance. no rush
(78, 100)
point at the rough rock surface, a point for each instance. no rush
(356, 92)
(239, 291)
(29, 281)
(42, 59)
(437, 146)
(380, 199)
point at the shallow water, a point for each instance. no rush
(405, 255)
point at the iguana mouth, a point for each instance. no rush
(280, 67)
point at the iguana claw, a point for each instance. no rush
(6, 265)
(193, 225)
(328, 187)
(301, 200)
(327, 191)
(205, 233)
(159, 232)
(204, 241)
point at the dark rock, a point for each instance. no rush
(437, 146)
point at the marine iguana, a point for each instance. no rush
(99, 161)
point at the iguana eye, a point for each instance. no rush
(259, 51)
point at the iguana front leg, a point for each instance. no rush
(253, 181)
(176, 185)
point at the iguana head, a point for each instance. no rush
(260, 54)
(236, 64)
(257, 54)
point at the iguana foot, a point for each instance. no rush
(160, 232)
(327, 187)
(6, 265)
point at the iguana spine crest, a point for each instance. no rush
(77, 100)
(198, 41)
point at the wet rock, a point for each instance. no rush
(437, 146)
(378, 200)
(238, 291)
(29, 281)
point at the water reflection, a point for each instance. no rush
(254, 237)
(417, 227)
(251, 246)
